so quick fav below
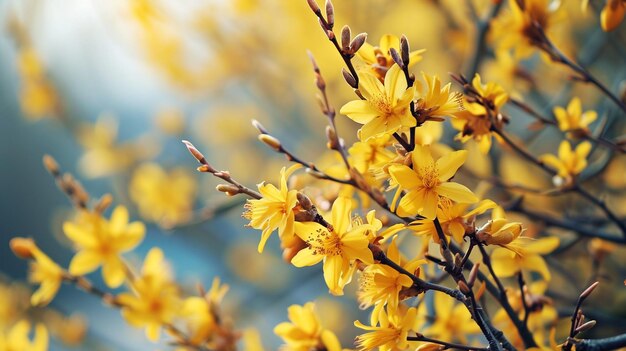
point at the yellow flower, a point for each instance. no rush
(162, 196)
(612, 14)
(386, 108)
(43, 270)
(453, 219)
(275, 210)
(371, 153)
(391, 332)
(435, 101)
(452, 321)
(305, 332)
(38, 97)
(517, 30)
(201, 313)
(570, 162)
(338, 248)
(499, 231)
(475, 121)
(379, 57)
(524, 253)
(381, 284)
(17, 338)
(574, 119)
(155, 300)
(100, 242)
(427, 181)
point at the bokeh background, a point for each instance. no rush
(109, 88)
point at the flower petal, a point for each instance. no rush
(450, 163)
(456, 192)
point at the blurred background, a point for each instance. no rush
(109, 88)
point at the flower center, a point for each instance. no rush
(430, 175)
(325, 243)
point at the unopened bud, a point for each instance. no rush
(313, 5)
(319, 82)
(463, 287)
(304, 201)
(586, 326)
(103, 203)
(204, 169)
(270, 141)
(330, 14)
(357, 42)
(349, 78)
(256, 124)
(229, 189)
(315, 68)
(331, 135)
(404, 50)
(588, 291)
(197, 154)
(345, 38)
(23, 247)
(396, 57)
(51, 165)
(473, 274)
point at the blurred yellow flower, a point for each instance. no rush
(155, 300)
(17, 338)
(43, 270)
(452, 322)
(391, 332)
(427, 181)
(38, 96)
(517, 28)
(100, 242)
(379, 59)
(103, 155)
(573, 120)
(570, 162)
(385, 109)
(338, 246)
(612, 14)
(201, 313)
(524, 253)
(275, 210)
(305, 331)
(163, 196)
(71, 330)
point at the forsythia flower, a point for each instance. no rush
(38, 97)
(435, 101)
(338, 248)
(570, 162)
(499, 231)
(43, 270)
(305, 332)
(155, 300)
(573, 119)
(17, 338)
(381, 284)
(379, 57)
(524, 253)
(453, 322)
(453, 219)
(201, 313)
(517, 28)
(427, 181)
(100, 243)
(612, 14)
(386, 108)
(275, 210)
(475, 121)
(391, 332)
(162, 196)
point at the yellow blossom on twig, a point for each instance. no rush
(305, 331)
(385, 109)
(427, 181)
(338, 246)
(100, 242)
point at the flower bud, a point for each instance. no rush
(270, 141)
(23, 247)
